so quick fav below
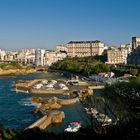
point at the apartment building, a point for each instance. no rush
(134, 56)
(2, 54)
(53, 56)
(135, 42)
(61, 48)
(85, 48)
(118, 55)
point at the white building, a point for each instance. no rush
(2, 54)
(26, 59)
(62, 48)
(39, 57)
(118, 55)
(54, 56)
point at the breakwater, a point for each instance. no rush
(52, 103)
(26, 86)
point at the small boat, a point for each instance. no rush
(49, 86)
(73, 127)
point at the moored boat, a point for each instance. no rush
(73, 127)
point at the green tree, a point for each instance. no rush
(134, 71)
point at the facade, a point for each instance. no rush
(134, 56)
(114, 56)
(118, 55)
(126, 49)
(61, 48)
(2, 54)
(39, 57)
(85, 48)
(25, 59)
(24, 56)
(54, 56)
(135, 42)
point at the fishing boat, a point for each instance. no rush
(73, 127)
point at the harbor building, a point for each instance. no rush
(85, 48)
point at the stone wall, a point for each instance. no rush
(43, 91)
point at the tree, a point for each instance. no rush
(134, 71)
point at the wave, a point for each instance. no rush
(27, 102)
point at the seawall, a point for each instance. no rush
(43, 91)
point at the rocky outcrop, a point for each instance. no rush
(86, 92)
(58, 118)
(52, 103)
(26, 85)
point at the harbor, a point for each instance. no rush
(55, 100)
(20, 113)
(70, 91)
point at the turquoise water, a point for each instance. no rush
(17, 110)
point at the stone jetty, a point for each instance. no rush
(51, 117)
(25, 85)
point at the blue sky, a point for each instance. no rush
(46, 23)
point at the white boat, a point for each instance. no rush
(49, 86)
(61, 85)
(65, 88)
(53, 81)
(96, 87)
(73, 127)
(45, 82)
(38, 86)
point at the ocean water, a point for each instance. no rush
(17, 109)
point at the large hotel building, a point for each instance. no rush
(85, 48)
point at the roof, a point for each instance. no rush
(77, 42)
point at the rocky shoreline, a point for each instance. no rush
(15, 72)
(52, 103)
(48, 109)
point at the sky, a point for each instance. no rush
(47, 23)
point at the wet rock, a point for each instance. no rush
(58, 118)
